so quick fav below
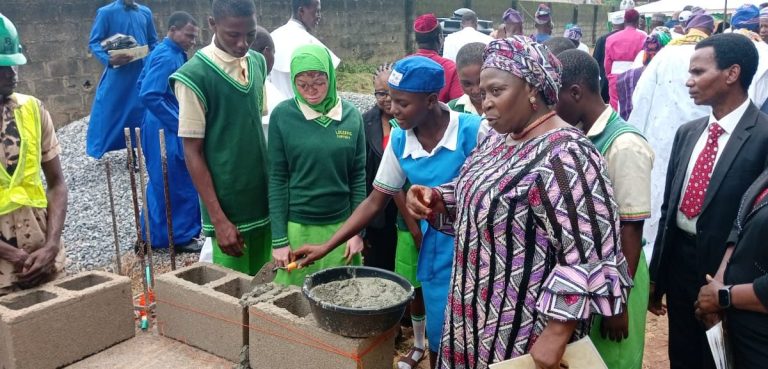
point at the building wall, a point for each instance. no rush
(62, 72)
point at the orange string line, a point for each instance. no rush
(314, 342)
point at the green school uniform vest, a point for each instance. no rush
(235, 147)
(613, 129)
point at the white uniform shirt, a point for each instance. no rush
(274, 97)
(457, 40)
(390, 178)
(728, 124)
(288, 38)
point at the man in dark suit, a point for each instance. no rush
(714, 160)
(740, 288)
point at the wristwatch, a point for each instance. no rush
(724, 297)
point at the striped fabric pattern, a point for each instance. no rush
(537, 238)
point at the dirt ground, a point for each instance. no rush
(656, 335)
(152, 351)
(655, 356)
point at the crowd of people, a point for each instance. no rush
(530, 174)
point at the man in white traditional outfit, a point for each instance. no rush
(297, 32)
(661, 104)
(467, 35)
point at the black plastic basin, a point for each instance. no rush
(355, 322)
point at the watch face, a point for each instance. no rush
(724, 297)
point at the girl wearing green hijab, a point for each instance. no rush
(316, 166)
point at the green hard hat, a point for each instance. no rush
(10, 49)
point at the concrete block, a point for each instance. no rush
(62, 67)
(71, 318)
(283, 334)
(67, 103)
(49, 86)
(200, 305)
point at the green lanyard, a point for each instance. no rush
(393, 122)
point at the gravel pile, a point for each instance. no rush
(88, 235)
(363, 102)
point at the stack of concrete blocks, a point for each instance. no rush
(199, 305)
(285, 335)
(68, 319)
(216, 310)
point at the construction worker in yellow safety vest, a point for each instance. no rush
(31, 216)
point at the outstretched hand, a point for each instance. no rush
(282, 256)
(354, 246)
(309, 253)
(422, 203)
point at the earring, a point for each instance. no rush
(534, 105)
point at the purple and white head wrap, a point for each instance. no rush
(573, 33)
(512, 16)
(529, 61)
(543, 14)
(701, 21)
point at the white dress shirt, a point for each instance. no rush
(728, 124)
(457, 40)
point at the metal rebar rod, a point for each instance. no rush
(139, 240)
(118, 263)
(167, 191)
(145, 207)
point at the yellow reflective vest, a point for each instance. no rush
(25, 187)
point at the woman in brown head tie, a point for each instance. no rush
(537, 242)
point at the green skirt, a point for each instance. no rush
(627, 354)
(300, 234)
(407, 258)
(258, 251)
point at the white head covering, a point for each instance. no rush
(684, 16)
(616, 18)
(627, 4)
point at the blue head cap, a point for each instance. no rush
(417, 74)
(746, 16)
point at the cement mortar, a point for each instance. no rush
(361, 293)
(261, 292)
(244, 361)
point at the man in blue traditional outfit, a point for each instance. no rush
(162, 112)
(116, 104)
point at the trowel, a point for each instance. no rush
(265, 275)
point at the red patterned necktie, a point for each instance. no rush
(760, 198)
(702, 172)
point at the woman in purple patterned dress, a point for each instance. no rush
(537, 236)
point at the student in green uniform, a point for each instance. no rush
(220, 94)
(316, 165)
(629, 159)
(468, 63)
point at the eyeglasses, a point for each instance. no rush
(381, 94)
(316, 84)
